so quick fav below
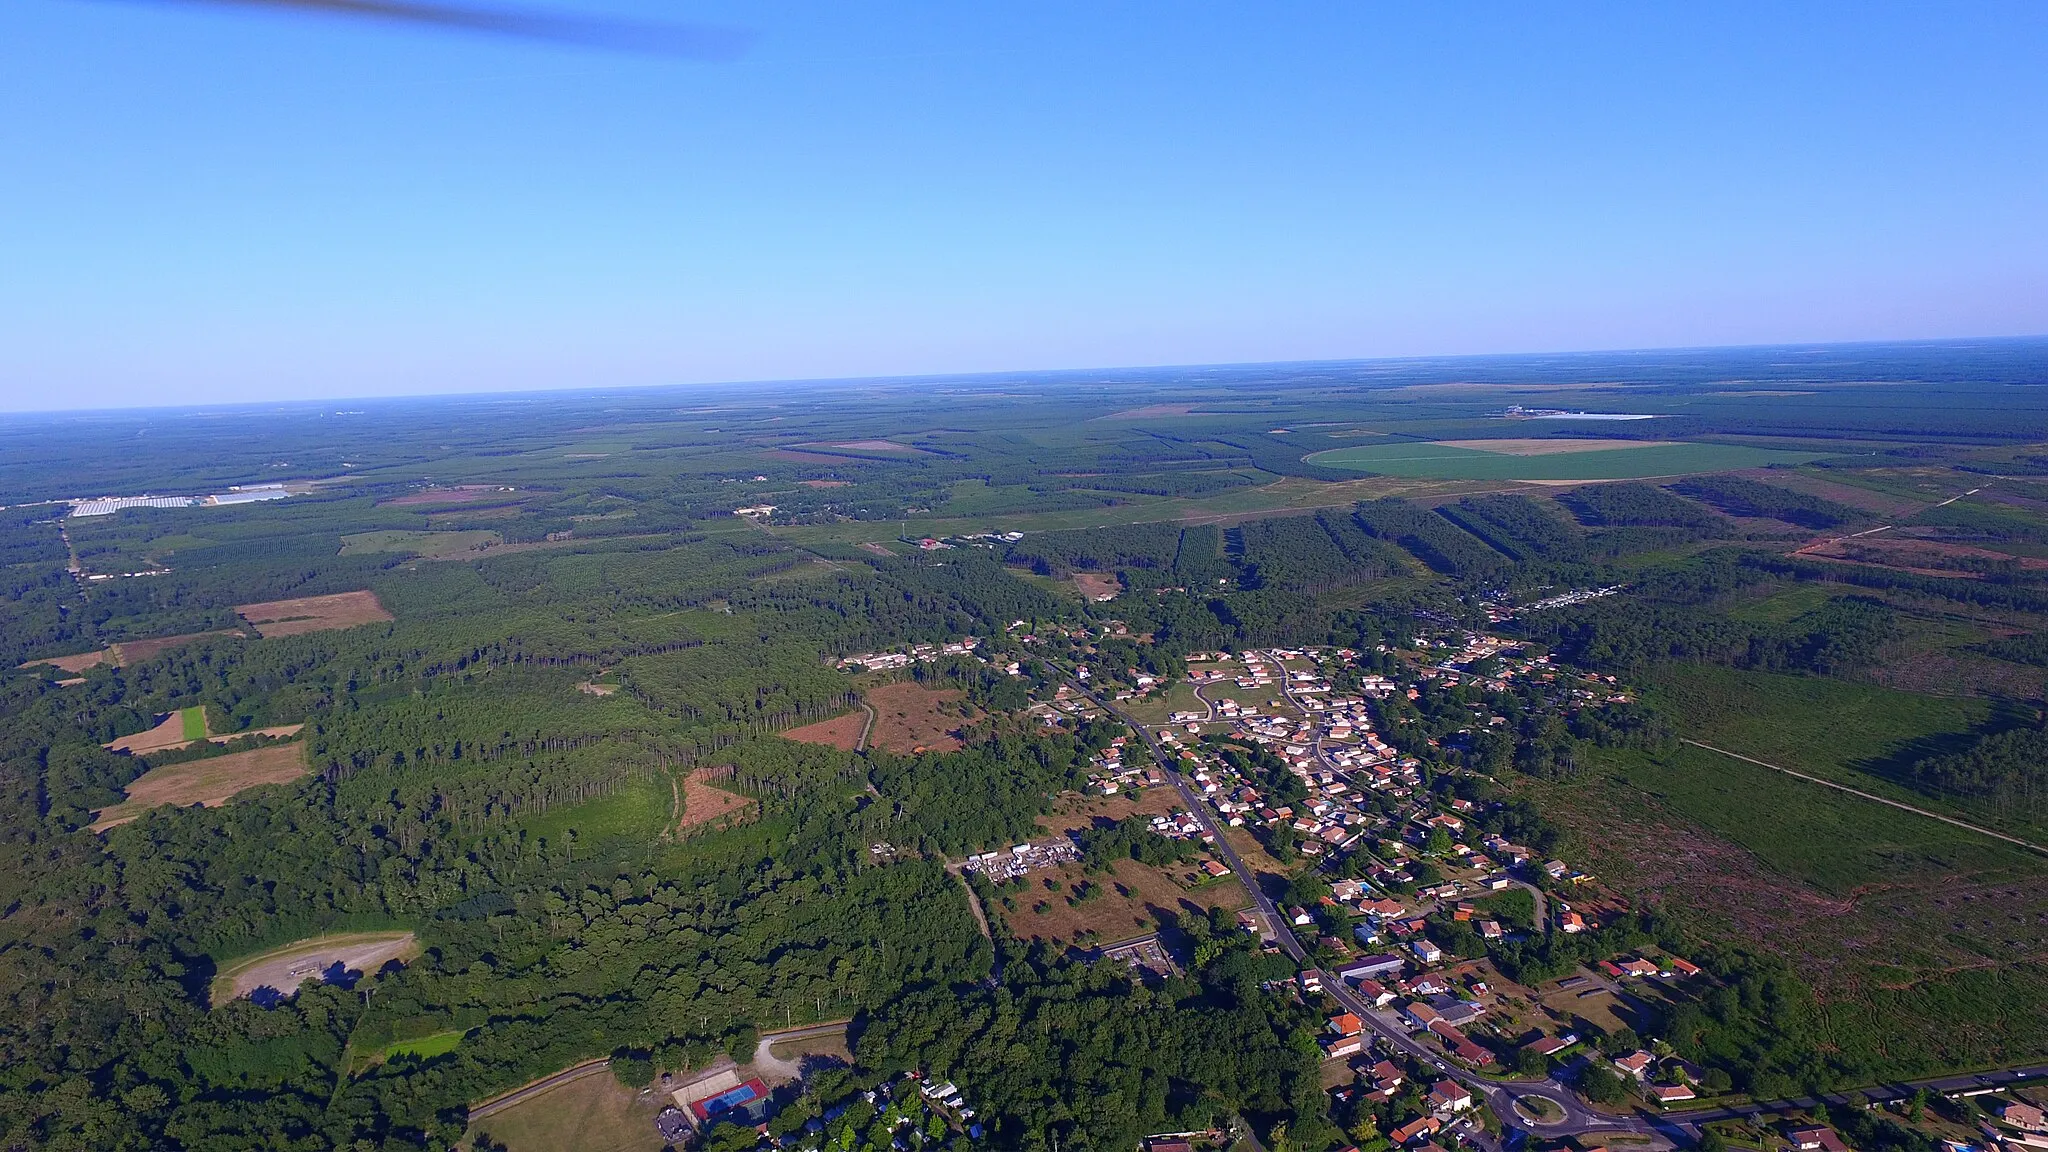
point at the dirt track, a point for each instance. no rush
(291, 966)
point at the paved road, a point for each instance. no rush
(1575, 1116)
(2028, 844)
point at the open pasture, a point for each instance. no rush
(314, 613)
(1135, 900)
(209, 782)
(909, 718)
(1616, 460)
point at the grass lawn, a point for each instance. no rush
(1155, 709)
(426, 1047)
(1444, 462)
(194, 720)
(638, 810)
(593, 1112)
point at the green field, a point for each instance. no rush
(1834, 842)
(426, 1047)
(426, 545)
(1421, 460)
(194, 720)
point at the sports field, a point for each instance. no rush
(1445, 461)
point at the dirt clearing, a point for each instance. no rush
(460, 494)
(78, 663)
(705, 803)
(314, 613)
(592, 1111)
(1546, 447)
(210, 782)
(1072, 812)
(913, 719)
(286, 968)
(1134, 900)
(841, 732)
(826, 483)
(1097, 586)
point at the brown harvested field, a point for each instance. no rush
(210, 782)
(314, 613)
(1072, 811)
(168, 734)
(1586, 1004)
(77, 663)
(1134, 902)
(842, 732)
(826, 483)
(1906, 553)
(908, 718)
(1097, 585)
(1550, 447)
(704, 803)
(460, 494)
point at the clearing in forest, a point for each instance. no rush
(1073, 812)
(314, 613)
(74, 664)
(285, 968)
(173, 731)
(460, 494)
(447, 545)
(1132, 899)
(910, 718)
(1612, 460)
(704, 803)
(1097, 586)
(586, 1111)
(209, 782)
(841, 732)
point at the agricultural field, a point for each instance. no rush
(448, 545)
(313, 613)
(1616, 460)
(209, 782)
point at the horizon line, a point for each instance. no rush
(819, 382)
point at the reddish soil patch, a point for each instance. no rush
(78, 663)
(1909, 553)
(169, 734)
(208, 782)
(314, 613)
(841, 732)
(877, 549)
(705, 804)
(460, 494)
(1097, 585)
(826, 483)
(909, 719)
(802, 457)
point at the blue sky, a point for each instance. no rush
(212, 204)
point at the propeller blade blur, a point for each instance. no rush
(689, 41)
